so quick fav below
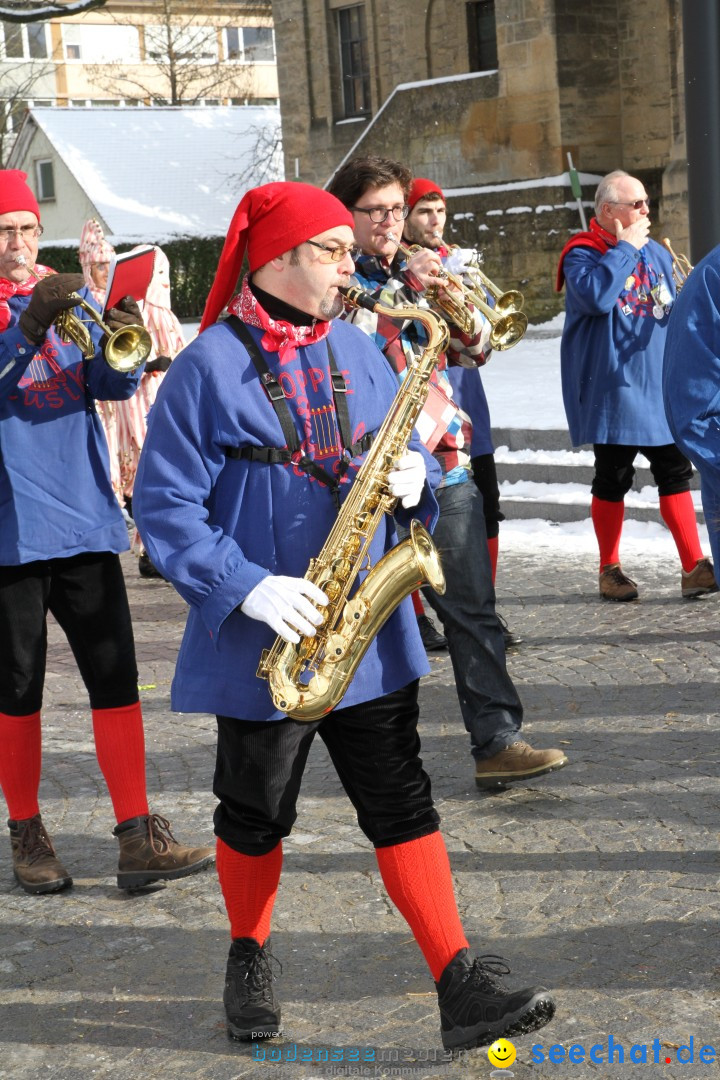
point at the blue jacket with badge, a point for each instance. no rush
(617, 311)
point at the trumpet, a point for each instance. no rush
(512, 300)
(681, 266)
(125, 349)
(508, 326)
(447, 303)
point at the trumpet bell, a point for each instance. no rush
(127, 348)
(508, 330)
(512, 300)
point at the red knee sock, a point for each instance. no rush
(249, 885)
(418, 880)
(417, 602)
(678, 513)
(493, 549)
(607, 519)
(120, 749)
(20, 762)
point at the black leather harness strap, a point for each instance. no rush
(270, 455)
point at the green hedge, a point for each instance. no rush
(193, 262)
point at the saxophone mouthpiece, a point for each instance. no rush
(357, 297)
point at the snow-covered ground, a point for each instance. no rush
(523, 390)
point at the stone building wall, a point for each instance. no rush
(599, 80)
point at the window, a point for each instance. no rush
(482, 36)
(45, 180)
(250, 44)
(71, 41)
(188, 44)
(354, 63)
(24, 42)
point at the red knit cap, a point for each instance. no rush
(421, 189)
(269, 221)
(15, 194)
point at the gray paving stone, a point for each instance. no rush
(601, 881)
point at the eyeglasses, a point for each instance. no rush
(378, 214)
(637, 205)
(332, 254)
(27, 232)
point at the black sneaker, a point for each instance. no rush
(251, 1007)
(511, 640)
(476, 1008)
(146, 567)
(432, 639)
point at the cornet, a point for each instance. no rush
(512, 300)
(681, 266)
(444, 301)
(125, 349)
(508, 325)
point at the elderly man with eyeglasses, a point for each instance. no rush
(62, 531)
(619, 296)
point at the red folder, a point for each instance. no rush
(129, 275)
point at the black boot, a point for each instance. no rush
(35, 863)
(251, 1008)
(476, 1009)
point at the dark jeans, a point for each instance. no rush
(86, 594)
(614, 472)
(489, 702)
(374, 747)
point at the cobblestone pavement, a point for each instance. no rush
(600, 881)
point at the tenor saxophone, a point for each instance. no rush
(309, 678)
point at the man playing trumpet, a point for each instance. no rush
(62, 530)
(376, 191)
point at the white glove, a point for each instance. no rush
(281, 603)
(407, 479)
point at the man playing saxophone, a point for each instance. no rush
(376, 190)
(253, 445)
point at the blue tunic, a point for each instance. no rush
(612, 345)
(469, 393)
(216, 525)
(56, 499)
(691, 383)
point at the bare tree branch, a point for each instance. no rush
(182, 64)
(17, 87)
(26, 11)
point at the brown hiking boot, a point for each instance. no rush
(699, 581)
(517, 762)
(35, 864)
(615, 585)
(149, 852)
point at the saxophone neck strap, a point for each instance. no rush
(269, 455)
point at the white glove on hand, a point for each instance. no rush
(282, 603)
(407, 479)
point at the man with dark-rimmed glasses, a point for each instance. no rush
(619, 295)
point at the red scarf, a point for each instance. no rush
(14, 288)
(280, 337)
(596, 237)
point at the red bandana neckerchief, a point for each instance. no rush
(14, 288)
(596, 237)
(280, 337)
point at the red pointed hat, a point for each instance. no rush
(269, 221)
(15, 194)
(421, 189)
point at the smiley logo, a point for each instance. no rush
(501, 1054)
